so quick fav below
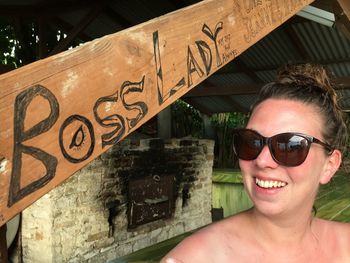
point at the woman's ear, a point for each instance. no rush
(331, 167)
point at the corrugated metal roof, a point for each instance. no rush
(297, 40)
(230, 79)
(321, 44)
(340, 69)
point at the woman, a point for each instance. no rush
(293, 142)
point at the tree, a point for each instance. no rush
(224, 124)
(7, 45)
(24, 40)
(186, 120)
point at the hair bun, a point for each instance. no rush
(308, 75)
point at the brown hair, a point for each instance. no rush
(311, 84)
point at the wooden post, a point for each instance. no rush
(209, 131)
(60, 113)
(164, 123)
(345, 5)
(3, 244)
(342, 11)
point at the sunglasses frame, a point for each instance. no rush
(267, 141)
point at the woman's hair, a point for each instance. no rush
(310, 84)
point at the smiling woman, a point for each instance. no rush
(292, 144)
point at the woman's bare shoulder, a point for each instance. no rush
(337, 227)
(335, 236)
(209, 243)
(342, 230)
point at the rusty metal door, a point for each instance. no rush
(150, 198)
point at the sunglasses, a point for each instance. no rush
(287, 149)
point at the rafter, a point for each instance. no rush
(119, 19)
(84, 22)
(295, 40)
(218, 90)
(59, 24)
(274, 68)
(246, 70)
(342, 13)
(345, 5)
(235, 105)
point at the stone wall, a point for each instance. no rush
(85, 218)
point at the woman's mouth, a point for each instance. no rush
(269, 184)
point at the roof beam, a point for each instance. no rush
(295, 40)
(213, 90)
(120, 20)
(59, 113)
(59, 24)
(93, 12)
(251, 74)
(274, 68)
(342, 13)
(345, 5)
(235, 105)
(342, 82)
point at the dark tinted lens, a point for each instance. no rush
(289, 149)
(247, 144)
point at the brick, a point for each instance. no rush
(77, 212)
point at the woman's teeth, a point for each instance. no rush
(269, 184)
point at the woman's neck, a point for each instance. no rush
(283, 230)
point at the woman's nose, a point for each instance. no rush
(265, 159)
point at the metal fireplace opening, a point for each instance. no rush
(150, 198)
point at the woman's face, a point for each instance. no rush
(297, 185)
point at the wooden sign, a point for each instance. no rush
(60, 113)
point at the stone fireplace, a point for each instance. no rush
(135, 195)
(150, 198)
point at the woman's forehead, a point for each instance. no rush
(274, 116)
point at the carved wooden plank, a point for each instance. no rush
(60, 113)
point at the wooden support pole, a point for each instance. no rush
(164, 123)
(93, 12)
(345, 5)
(60, 113)
(3, 244)
(342, 11)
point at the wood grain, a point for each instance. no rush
(60, 113)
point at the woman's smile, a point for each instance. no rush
(269, 184)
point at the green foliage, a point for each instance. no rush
(224, 124)
(25, 41)
(186, 120)
(7, 44)
(229, 120)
